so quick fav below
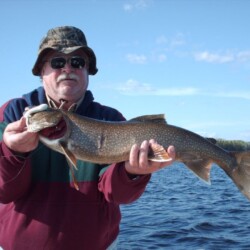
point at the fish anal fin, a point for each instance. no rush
(158, 153)
(69, 155)
(160, 118)
(200, 167)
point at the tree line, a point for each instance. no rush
(233, 145)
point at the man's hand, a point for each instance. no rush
(138, 163)
(17, 138)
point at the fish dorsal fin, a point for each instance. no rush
(158, 153)
(160, 118)
(212, 140)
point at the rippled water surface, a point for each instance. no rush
(179, 211)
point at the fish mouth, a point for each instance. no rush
(55, 132)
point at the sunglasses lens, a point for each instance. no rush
(58, 63)
(77, 62)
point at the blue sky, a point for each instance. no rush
(188, 59)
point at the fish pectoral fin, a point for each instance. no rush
(69, 155)
(71, 162)
(71, 167)
(200, 167)
(158, 153)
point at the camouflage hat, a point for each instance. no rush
(65, 39)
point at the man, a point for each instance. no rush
(41, 209)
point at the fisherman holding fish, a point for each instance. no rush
(46, 204)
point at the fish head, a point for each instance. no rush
(48, 122)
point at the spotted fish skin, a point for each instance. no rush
(106, 142)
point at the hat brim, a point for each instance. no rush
(90, 53)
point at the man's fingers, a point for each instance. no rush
(19, 126)
(171, 151)
(133, 157)
(143, 154)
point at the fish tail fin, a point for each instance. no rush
(201, 168)
(240, 173)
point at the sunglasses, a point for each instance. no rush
(75, 62)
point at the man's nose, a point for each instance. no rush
(67, 68)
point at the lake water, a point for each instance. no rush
(179, 211)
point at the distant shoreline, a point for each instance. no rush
(233, 145)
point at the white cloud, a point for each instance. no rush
(187, 91)
(133, 87)
(177, 39)
(220, 58)
(136, 5)
(213, 57)
(235, 94)
(138, 59)
(156, 52)
(170, 43)
(243, 56)
(142, 4)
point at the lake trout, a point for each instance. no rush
(104, 142)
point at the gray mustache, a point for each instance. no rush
(64, 76)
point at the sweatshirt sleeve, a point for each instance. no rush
(15, 175)
(117, 187)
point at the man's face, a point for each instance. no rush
(65, 82)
